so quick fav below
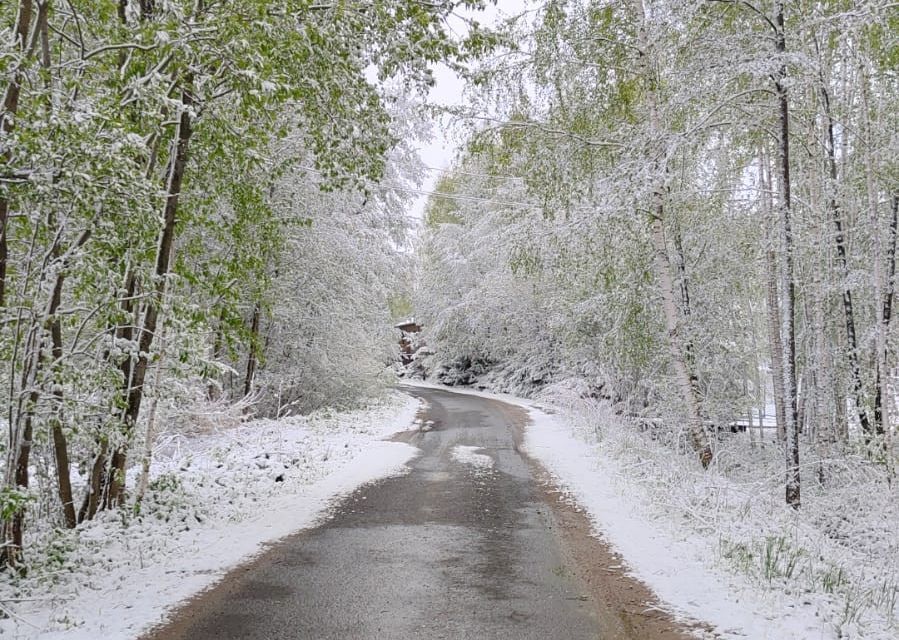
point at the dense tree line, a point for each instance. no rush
(186, 186)
(691, 205)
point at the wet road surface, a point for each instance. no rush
(449, 550)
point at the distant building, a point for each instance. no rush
(409, 326)
(407, 329)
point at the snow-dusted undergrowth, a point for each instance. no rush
(470, 456)
(213, 500)
(829, 571)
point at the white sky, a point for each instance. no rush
(449, 91)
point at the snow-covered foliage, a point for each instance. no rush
(482, 314)
(330, 335)
(633, 236)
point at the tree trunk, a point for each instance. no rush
(147, 9)
(64, 482)
(137, 368)
(773, 308)
(887, 312)
(91, 502)
(685, 379)
(821, 434)
(842, 258)
(60, 446)
(824, 433)
(252, 355)
(882, 413)
(10, 109)
(22, 440)
(22, 430)
(787, 283)
(14, 527)
(19, 454)
(150, 437)
(885, 287)
(214, 387)
(124, 333)
(686, 310)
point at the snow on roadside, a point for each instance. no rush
(470, 456)
(214, 501)
(677, 564)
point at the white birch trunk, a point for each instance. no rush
(684, 377)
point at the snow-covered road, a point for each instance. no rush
(445, 530)
(469, 544)
(677, 565)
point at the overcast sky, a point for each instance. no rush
(439, 153)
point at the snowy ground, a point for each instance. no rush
(214, 501)
(715, 549)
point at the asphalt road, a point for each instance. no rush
(446, 551)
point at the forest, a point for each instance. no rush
(675, 220)
(689, 207)
(190, 189)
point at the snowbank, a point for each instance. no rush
(678, 565)
(214, 502)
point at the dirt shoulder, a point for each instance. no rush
(626, 608)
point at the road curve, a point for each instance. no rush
(450, 550)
